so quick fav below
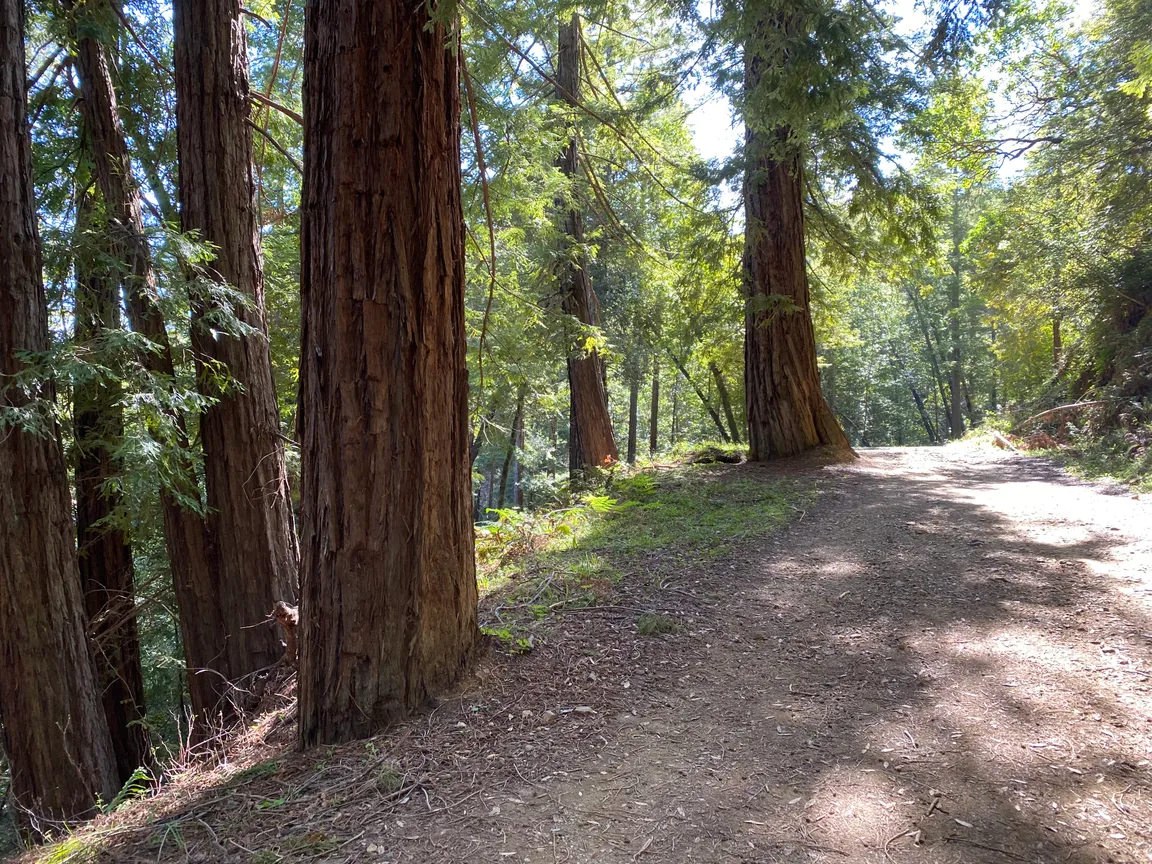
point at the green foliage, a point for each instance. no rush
(533, 565)
(654, 624)
(136, 786)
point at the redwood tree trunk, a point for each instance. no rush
(388, 589)
(510, 454)
(107, 576)
(703, 401)
(956, 373)
(590, 440)
(787, 413)
(54, 731)
(250, 517)
(725, 401)
(185, 535)
(633, 404)
(654, 414)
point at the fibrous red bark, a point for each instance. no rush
(107, 574)
(590, 437)
(388, 588)
(787, 412)
(246, 479)
(54, 730)
(185, 534)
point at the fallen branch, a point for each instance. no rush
(1073, 407)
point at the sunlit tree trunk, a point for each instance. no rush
(956, 372)
(654, 413)
(725, 401)
(787, 413)
(590, 440)
(54, 730)
(633, 407)
(185, 534)
(249, 513)
(388, 587)
(107, 576)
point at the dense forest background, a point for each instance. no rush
(978, 229)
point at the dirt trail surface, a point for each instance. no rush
(946, 658)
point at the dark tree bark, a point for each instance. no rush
(633, 404)
(388, 588)
(787, 413)
(54, 731)
(725, 401)
(654, 413)
(107, 576)
(1057, 344)
(185, 534)
(250, 516)
(590, 439)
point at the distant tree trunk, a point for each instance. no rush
(633, 400)
(518, 468)
(510, 455)
(590, 440)
(388, 589)
(554, 443)
(787, 412)
(54, 730)
(1057, 343)
(491, 483)
(931, 348)
(107, 576)
(725, 401)
(703, 399)
(193, 576)
(956, 409)
(246, 478)
(654, 414)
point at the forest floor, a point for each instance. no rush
(946, 656)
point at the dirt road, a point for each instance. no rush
(946, 658)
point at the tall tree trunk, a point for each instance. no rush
(107, 576)
(1057, 343)
(633, 404)
(590, 440)
(54, 731)
(510, 455)
(787, 412)
(725, 401)
(249, 512)
(956, 373)
(388, 587)
(654, 413)
(518, 468)
(554, 444)
(185, 534)
(914, 296)
(491, 485)
(703, 400)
